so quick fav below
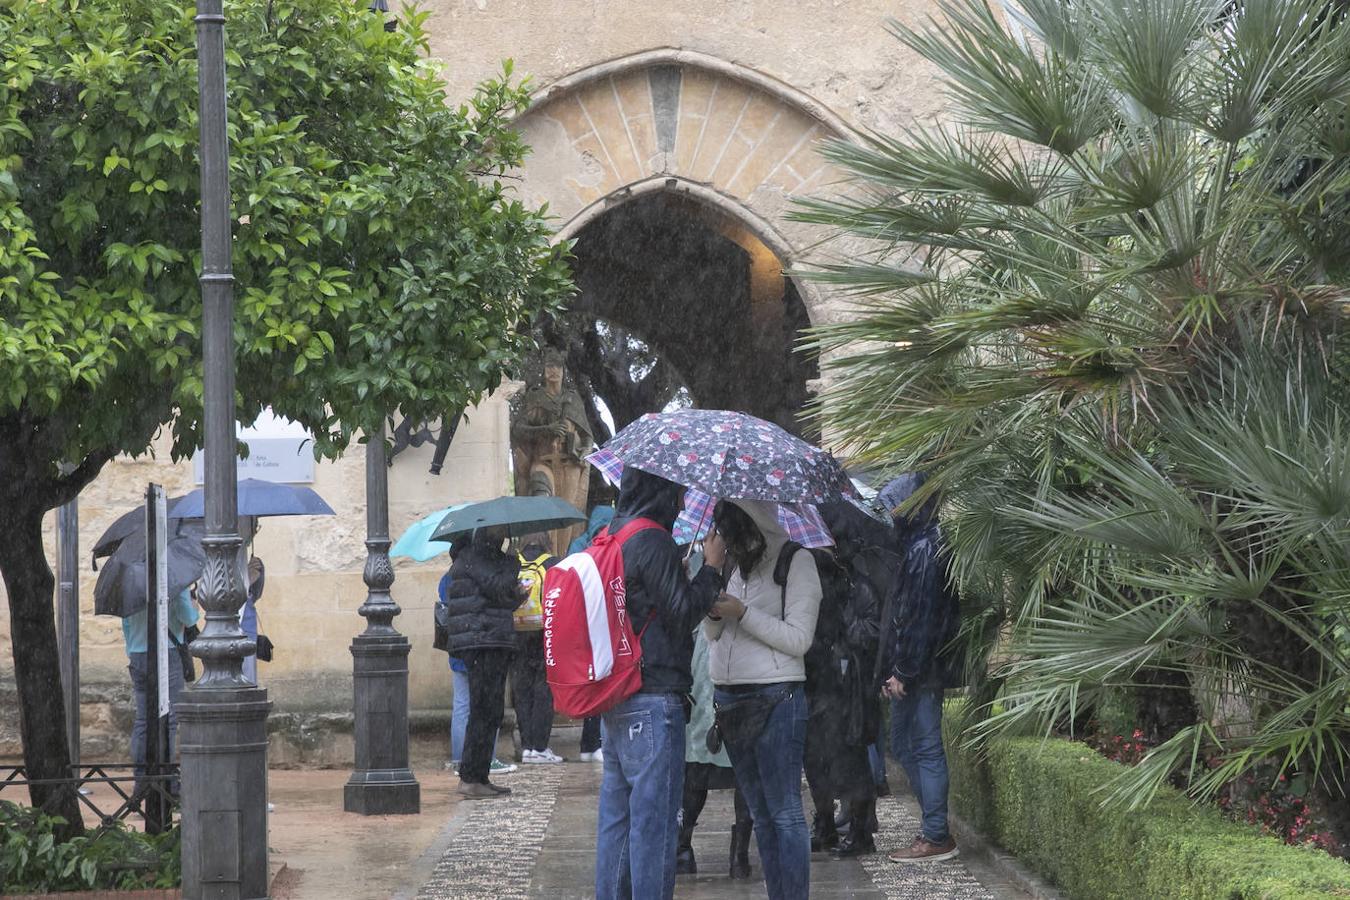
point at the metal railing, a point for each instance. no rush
(152, 797)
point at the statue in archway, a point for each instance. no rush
(550, 438)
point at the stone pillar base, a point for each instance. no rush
(382, 783)
(390, 792)
(222, 737)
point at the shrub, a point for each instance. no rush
(33, 861)
(1040, 799)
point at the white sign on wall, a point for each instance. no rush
(278, 450)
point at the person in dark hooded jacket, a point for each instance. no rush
(840, 667)
(643, 780)
(925, 617)
(482, 594)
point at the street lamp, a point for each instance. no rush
(382, 782)
(223, 716)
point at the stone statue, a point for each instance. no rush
(550, 438)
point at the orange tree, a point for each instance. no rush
(381, 263)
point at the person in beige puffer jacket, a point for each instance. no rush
(758, 635)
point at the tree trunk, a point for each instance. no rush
(37, 670)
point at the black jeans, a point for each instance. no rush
(590, 734)
(530, 693)
(487, 703)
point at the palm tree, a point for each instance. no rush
(1103, 308)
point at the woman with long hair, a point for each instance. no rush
(759, 632)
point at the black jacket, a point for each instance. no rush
(660, 597)
(864, 569)
(482, 594)
(925, 614)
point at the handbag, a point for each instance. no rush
(264, 649)
(741, 722)
(184, 654)
(440, 635)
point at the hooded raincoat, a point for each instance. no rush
(924, 613)
(664, 602)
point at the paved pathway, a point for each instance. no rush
(540, 843)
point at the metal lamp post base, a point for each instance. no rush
(382, 783)
(223, 742)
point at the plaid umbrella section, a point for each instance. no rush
(801, 521)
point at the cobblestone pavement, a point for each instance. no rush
(540, 843)
(497, 843)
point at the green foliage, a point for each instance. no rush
(1039, 799)
(1104, 310)
(381, 263)
(34, 860)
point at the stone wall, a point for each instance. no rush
(313, 589)
(758, 83)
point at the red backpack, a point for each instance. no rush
(590, 651)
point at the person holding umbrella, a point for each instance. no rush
(482, 595)
(183, 614)
(758, 635)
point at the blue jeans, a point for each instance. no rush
(459, 715)
(139, 666)
(916, 741)
(640, 798)
(769, 774)
(876, 758)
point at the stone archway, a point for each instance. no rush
(675, 120)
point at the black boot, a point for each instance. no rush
(740, 849)
(858, 841)
(684, 854)
(824, 833)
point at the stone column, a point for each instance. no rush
(222, 717)
(383, 783)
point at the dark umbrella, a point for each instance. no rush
(259, 498)
(127, 524)
(520, 515)
(731, 455)
(120, 589)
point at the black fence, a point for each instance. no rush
(150, 796)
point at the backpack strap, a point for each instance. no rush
(620, 538)
(630, 529)
(780, 571)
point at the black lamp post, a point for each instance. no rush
(382, 782)
(223, 716)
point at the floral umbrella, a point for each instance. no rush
(801, 521)
(730, 454)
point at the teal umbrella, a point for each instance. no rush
(519, 515)
(417, 542)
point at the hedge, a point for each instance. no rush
(1037, 799)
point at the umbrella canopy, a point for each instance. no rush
(801, 521)
(259, 498)
(127, 524)
(417, 542)
(120, 589)
(732, 455)
(520, 515)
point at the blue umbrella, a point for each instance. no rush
(520, 515)
(417, 543)
(259, 498)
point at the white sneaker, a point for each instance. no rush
(540, 756)
(597, 757)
